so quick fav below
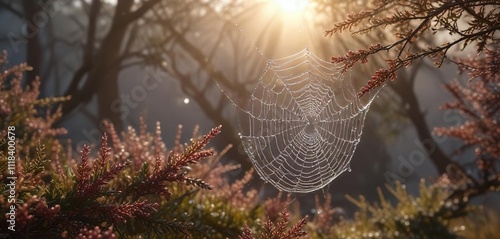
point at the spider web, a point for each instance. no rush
(302, 123)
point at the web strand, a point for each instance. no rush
(302, 123)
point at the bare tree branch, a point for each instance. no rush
(8, 6)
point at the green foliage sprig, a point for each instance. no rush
(428, 215)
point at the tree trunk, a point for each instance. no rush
(33, 48)
(102, 77)
(404, 89)
(105, 77)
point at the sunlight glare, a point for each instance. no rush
(292, 6)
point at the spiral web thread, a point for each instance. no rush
(303, 123)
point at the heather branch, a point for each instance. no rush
(120, 213)
(247, 233)
(156, 182)
(297, 230)
(95, 187)
(88, 186)
(191, 154)
(278, 230)
(479, 104)
(382, 75)
(104, 153)
(444, 13)
(83, 170)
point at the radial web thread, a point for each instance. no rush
(302, 123)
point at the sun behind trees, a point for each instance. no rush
(134, 186)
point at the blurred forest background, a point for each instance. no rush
(160, 60)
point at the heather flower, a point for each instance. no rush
(94, 233)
